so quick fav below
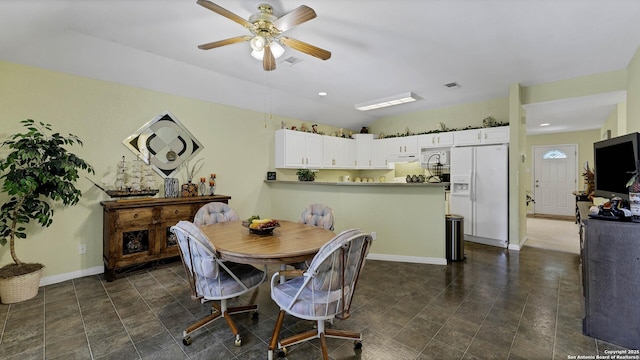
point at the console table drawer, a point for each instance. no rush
(177, 211)
(134, 216)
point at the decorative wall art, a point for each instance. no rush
(164, 143)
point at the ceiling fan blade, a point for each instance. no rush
(268, 61)
(224, 42)
(224, 12)
(295, 17)
(306, 48)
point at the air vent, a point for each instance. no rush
(291, 60)
(452, 85)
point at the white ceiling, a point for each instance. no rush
(379, 48)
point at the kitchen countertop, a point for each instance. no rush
(344, 183)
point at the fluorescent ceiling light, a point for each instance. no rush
(388, 101)
(545, 124)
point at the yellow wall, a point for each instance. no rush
(517, 147)
(454, 117)
(633, 94)
(576, 87)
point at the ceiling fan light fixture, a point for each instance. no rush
(257, 43)
(388, 101)
(276, 49)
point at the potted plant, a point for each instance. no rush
(190, 188)
(306, 175)
(37, 172)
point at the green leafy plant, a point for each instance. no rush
(634, 182)
(37, 172)
(306, 175)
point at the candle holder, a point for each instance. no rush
(203, 188)
(212, 184)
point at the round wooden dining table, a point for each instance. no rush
(291, 242)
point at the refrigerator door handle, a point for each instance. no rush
(472, 186)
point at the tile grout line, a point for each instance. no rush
(84, 327)
(44, 322)
(526, 302)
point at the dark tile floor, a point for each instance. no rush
(497, 304)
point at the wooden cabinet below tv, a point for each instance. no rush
(136, 231)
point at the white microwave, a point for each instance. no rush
(431, 156)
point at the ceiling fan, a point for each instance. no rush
(266, 30)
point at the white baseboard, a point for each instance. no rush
(518, 247)
(409, 259)
(54, 279)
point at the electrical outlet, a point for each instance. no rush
(82, 249)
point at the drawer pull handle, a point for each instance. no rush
(135, 216)
(175, 211)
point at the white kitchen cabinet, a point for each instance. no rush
(364, 151)
(298, 150)
(338, 153)
(444, 139)
(350, 154)
(380, 158)
(332, 152)
(494, 135)
(402, 148)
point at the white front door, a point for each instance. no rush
(554, 179)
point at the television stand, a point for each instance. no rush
(610, 267)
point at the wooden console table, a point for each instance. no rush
(136, 231)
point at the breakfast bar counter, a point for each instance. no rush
(353, 183)
(408, 219)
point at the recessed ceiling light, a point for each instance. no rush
(545, 124)
(322, 93)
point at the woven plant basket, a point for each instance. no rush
(20, 288)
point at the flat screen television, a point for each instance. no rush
(614, 160)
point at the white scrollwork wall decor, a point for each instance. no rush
(164, 143)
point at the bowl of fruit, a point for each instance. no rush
(260, 226)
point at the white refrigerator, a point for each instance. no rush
(480, 192)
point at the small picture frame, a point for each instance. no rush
(271, 175)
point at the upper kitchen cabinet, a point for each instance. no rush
(364, 151)
(402, 148)
(380, 158)
(339, 153)
(494, 135)
(298, 150)
(444, 139)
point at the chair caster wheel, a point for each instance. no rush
(238, 341)
(357, 345)
(187, 340)
(282, 353)
(255, 315)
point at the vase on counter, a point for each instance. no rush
(171, 188)
(189, 189)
